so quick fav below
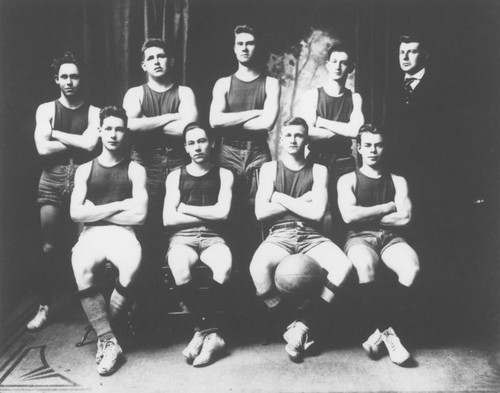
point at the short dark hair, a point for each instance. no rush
(244, 29)
(155, 43)
(194, 125)
(115, 111)
(368, 128)
(67, 58)
(414, 37)
(340, 47)
(296, 121)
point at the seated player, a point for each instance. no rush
(109, 198)
(292, 196)
(198, 199)
(375, 205)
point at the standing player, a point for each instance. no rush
(198, 199)
(292, 196)
(109, 199)
(375, 205)
(65, 133)
(244, 110)
(334, 116)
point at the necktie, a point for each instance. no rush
(408, 88)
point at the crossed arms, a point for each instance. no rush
(391, 214)
(130, 211)
(310, 206)
(49, 141)
(176, 213)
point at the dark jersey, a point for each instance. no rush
(244, 96)
(295, 184)
(337, 109)
(108, 184)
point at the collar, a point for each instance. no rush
(417, 76)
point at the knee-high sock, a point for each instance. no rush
(314, 311)
(94, 305)
(372, 300)
(120, 300)
(45, 272)
(401, 300)
(189, 294)
(215, 301)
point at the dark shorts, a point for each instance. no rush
(295, 237)
(56, 185)
(245, 162)
(198, 238)
(378, 241)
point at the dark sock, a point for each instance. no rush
(401, 301)
(94, 305)
(45, 276)
(189, 294)
(371, 302)
(215, 302)
(120, 300)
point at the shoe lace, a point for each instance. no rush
(298, 337)
(391, 339)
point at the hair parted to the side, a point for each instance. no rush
(67, 58)
(244, 29)
(195, 125)
(296, 121)
(156, 43)
(340, 47)
(115, 111)
(368, 128)
(415, 37)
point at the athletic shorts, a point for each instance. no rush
(295, 237)
(108, 242)
(56, 185)
(378, 241)
(198, 238)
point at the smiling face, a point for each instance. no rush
(244, 47)
(293, 139)
(68, 79)
(371, 148)
(156, 62)
(411, 57)
(198, 145)
(113, 132)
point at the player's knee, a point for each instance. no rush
(409, 274)
(180, 271)
(365, 271)
(222, 273)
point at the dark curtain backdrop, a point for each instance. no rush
(108, 35)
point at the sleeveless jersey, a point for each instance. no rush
(71, 121)
(370, 192)
(108, 184)
(337, 109)
(156, 104)
(295, 184)
(244, 96)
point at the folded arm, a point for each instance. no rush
(267, 118)
(402, 216)
(88, 140)
(44, 142)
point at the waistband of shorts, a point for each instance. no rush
(245, 145)
(289, 225)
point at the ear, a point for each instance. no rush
(143, 65)
(56, 78)
(171, 61)
(358, 147)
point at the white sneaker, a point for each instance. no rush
(397, 352)
(40, 320)
(373, 345)
(213, 345)
(193, 349)
(297, 338)
(112, 354)
(99, 354)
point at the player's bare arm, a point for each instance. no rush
(88, 140)
(136, 208)
(402, 216)
(350, 211)
(219, 211)
(267, 119)
(349, 129)
(171, 215)
(82, 210)
(44, 142)
(264, 207)
(219, 117)
(314, 206)
(188, 112)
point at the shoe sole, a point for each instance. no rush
(216, 355)
(294, 357)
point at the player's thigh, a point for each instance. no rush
(402, 259)
(51, 218)
(181, 258)
(330, 257)
(267, 257)
(86, 257)
(365, 261)
(126, 255)
(218, 258)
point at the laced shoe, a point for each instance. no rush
(40, 320)
(111, 357)
(373, 345)
(193, 349)
(297, 338)
(213, 346)
(99, 354)
(397, 352)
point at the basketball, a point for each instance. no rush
(298, 275)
